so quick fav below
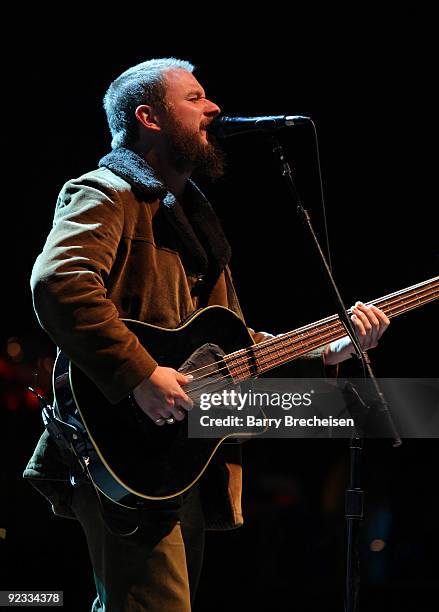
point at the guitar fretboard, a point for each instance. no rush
(262, 357)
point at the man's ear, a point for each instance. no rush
(147, 117)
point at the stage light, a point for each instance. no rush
(377, 545)
(14, 349)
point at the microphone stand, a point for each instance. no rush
(354, 499)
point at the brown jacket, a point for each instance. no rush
(121, 246)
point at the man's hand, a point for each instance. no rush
(370, 323)
(161, 396)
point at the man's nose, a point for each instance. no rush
(212, 109)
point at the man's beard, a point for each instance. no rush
(187, 152)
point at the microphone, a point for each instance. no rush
(223, 127)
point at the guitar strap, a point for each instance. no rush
(71, 438)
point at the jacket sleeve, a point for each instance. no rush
(69, 293)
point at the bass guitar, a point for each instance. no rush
(125, 454)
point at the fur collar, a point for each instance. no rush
(202, 245)
(134, 170)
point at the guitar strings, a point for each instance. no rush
(304, 349)
(272, 362)
(383, 303)
(240, 358)
(316, 327)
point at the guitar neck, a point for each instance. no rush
(262, 357)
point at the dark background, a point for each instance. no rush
(371, 96)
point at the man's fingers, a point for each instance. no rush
(184, 401)
(184, 379)
(372, 326)
(357, 321)
(174, 407)
(368, 313)
(179, 414)
(164, 410)
(370, 322)
(379, 321)
(383, 319)
(359, 310)
(181, 403)
(162, 397)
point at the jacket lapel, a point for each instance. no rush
(198, 235)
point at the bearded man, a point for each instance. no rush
(136, 239)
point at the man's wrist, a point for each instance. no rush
(147, 376)
(328, 356)
(334, 353)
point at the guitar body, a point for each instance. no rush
(129, 457)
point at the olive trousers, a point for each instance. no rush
(143, 560)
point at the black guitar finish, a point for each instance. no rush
(128, 456)
(133, 458)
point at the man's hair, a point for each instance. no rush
(141, 84)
